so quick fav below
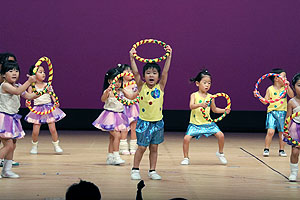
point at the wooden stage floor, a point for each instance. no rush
(47, 176)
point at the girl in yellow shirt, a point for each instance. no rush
(198, 125)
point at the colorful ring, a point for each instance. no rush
(127, 102)
(56, 102)
(148, 60)
(286, 130)
(224, 114)
(262, 78)
(50, 78)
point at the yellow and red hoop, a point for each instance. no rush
(122, 100)
(44, 112)
(286, 130)
(50, 78)
(224, 114)
(149, 60)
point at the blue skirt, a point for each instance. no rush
(205, 129)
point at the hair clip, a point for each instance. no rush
(119, 65)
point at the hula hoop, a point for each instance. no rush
(124, 101)
(224, 114)
(129, 83)
(286, 130)
(149, 60)
(37, 64)
(262, 78)
(48, 111)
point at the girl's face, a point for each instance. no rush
(12, 76)
(40, 74)
(151, 76)
(297, 88)
(118, 83)
(127, 78)
(204, 84)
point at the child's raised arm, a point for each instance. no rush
(135, 70)
(164, 74)
(105, 94)
(8, 88)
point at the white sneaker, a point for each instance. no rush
(185, 161)
(34, 150)
(221, 158)
(154, 176)
(293, 177)
(266, 153)
(57, 149)
(135, 174)
(9, 174)
(110, 160)
(118, 160)
(282, 154)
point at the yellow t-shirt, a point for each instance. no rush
(151, 103)
(196, 116)
(280, 105)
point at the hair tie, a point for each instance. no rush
(119, 65)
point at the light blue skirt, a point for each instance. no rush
(205, 129)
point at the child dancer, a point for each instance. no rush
(4, 57)
(132, 112)
(10, 125)
(276, 111)
(198, 125)
(294, 128)
(113, 119)
(150, 125)
(43, 103)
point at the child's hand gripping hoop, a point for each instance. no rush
(146, 60)
(224, 114)
(113, 86)
(262, 78)
(37, 64)
(44, 112)
(286, 130)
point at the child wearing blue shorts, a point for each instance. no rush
(150, 125)
(276, 112)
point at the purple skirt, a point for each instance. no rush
(110, 121)
(294, 131)
(54, 116)
(10, 126)
(132, 112)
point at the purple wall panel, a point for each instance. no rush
(237, 40)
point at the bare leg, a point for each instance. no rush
(281, 142)
(294, 155)
(269, 136)
(124, 135)
(220, 137)
(8, 150)
(186, 145)
(116, 140)
(153, 155)
(35, 132)
(53, 131)
(138, 156)
(110, 146)
(132, 129)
